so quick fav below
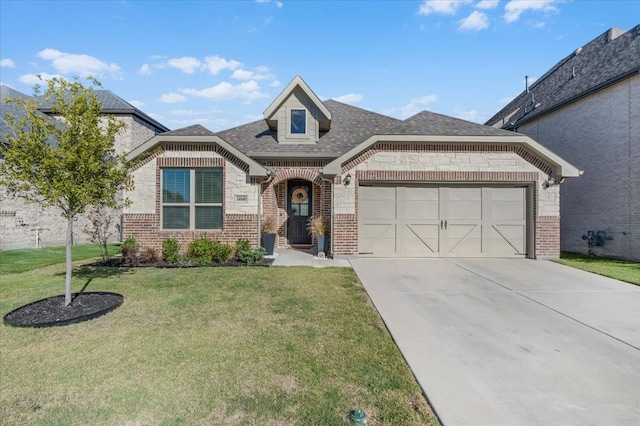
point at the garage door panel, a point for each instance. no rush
(506, 204)
(462, 204)
(419, 239)
(377, 238)
(464, 239)
(507, 240)
(414, 221)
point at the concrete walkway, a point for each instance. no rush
(513, 342)
(291, 257)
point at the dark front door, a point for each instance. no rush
(299, 209)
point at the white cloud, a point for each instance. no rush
(187, 64)
(275, 83)
(215, 64)
(7, 63)
(476, 21)
(506, 100)
(351, 98)
(137, 104)
(172, 98)
(144, 69)
(83, 65)
(32, 79)
(155, 116)
(487, 4)
(445, 7)
(538, 25)
(249, 91)
(278, 3)
(261, 73)
(466, 114)
(413, 107)
(514, 8)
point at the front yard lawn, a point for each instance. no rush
(13, 261)
(218, 346)
(613, 268)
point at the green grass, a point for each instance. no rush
(613, 268)
(206, 346)
(14, 261)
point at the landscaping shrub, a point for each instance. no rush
(201, 250)
(221, 252)
(247, 254)
(129, 250)
(170, 250)
(146, 255)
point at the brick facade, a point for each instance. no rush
(21, 222)
(491, 164)
(445, 164)
(274, 193)
(599, 134)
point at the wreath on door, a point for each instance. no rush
(299, 195)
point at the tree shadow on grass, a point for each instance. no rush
(92, 271)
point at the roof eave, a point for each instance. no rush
(568, 101)
(296, 82)
(255, 169)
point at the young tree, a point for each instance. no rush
(70, 163)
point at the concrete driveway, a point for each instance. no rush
(513, 342)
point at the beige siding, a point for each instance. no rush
(297, 100)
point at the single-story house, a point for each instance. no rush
(587, 109)
(428, 186)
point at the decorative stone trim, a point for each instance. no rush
(190, 162)
(286, 174)
(446, 148)
(444, 176)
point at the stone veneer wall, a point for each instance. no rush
(441, 164)
(240, 219)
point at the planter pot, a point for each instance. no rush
(322, 244)
(269, 243)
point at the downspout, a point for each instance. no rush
(330, 181)
(270, 175)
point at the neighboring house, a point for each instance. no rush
(428, 186)
(27, 225)
(587, 109)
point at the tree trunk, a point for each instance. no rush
(67, 286)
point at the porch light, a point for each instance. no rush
(347, 179)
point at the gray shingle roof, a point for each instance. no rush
(349, 127)
(612, 56)
(430, 123)
(7, 92)
(195, 130)
(114, 104)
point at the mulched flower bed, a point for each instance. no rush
(51, 311)
(118, 262)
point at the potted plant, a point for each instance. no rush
(269, 228)
(317, 227)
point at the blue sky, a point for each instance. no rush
(220, 63)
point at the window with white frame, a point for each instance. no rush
(298, 121)
(192, 198)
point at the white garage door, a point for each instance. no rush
(424, 221)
